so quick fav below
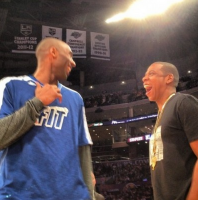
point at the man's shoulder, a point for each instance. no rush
(184, 96)
(10, 79)
(184, 99)
(70, 91)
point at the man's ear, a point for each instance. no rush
(53, 52)
(169, 78)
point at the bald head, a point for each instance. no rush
(168, 68)
(43, 47)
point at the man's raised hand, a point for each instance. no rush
(47, 93)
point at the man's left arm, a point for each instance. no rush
(193, 192)
(86, 166)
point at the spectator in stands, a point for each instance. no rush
(174, 142)
(186, 82)
(126, 173)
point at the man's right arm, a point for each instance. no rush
(13, 126)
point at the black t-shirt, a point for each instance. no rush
(178, 126)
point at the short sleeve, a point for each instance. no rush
(6, 106)
(188, 115)
(84, 135)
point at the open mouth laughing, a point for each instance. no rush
(147, 88)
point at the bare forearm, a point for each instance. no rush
(193, 192)
(15, 125)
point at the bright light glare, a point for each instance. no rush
(144, 8)
(116, 18)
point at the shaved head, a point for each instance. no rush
(168, 68)
(54, 60)
(44, 46)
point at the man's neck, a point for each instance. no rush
(165, 99)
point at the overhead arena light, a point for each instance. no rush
(141, 9)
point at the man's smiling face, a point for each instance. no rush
(154, 82)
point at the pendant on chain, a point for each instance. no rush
(153, 162)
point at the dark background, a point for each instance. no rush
(134, 44)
